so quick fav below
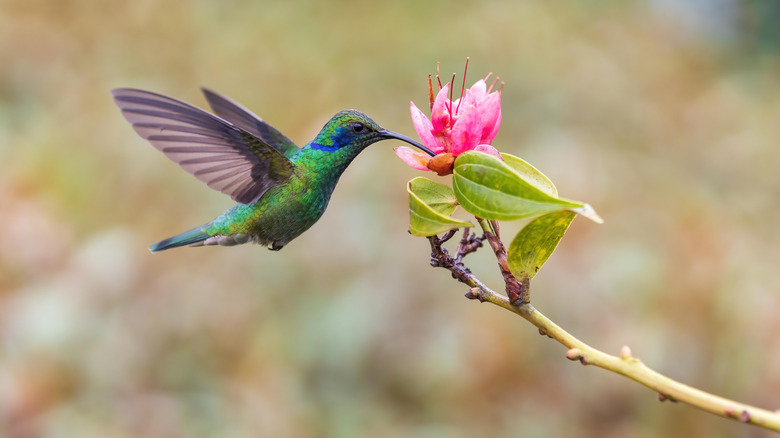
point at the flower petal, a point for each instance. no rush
(479, 90)
(490, 115)
(424, 129)
(492, 135)
(441, 114)
(413, 157)
(467, 130)
(488, 149)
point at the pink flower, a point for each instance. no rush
(465, 124)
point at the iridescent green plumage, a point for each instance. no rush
(282, 190)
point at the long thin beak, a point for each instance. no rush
(390, 134)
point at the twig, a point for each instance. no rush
(514, 290)
(468, 243)
(626, 364)
(440, 258)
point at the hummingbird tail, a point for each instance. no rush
(190, 237)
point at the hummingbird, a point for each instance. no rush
(281, 189)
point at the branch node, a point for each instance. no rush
(475, 293)
(574, 354)
(744, 416)
(625, 352)
(441, 258)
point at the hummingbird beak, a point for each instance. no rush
(384, 133)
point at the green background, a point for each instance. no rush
(665, 116)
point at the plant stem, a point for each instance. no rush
(626, 364)
(634, 369)
(518, 295)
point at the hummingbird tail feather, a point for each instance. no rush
(193, 236)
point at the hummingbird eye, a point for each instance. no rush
(358, 127)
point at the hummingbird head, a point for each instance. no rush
(355, 130)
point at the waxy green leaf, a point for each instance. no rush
(534, 244)
(493, 189)
(530, 174)
(430, 207)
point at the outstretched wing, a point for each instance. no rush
(226, 157)
(236, 114)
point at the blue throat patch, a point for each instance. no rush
(321, 147)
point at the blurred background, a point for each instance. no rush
(664, 115)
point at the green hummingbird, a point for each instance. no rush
(281, 189)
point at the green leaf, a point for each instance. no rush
(534, 244)
(430, 205)
(530, 174)
(490, 188)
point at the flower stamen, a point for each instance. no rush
(431, 97)
(490, 90)
(463, 88)
(449, 107)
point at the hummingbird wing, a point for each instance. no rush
(238, 115)
(227, 158)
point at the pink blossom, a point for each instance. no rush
(468, 123)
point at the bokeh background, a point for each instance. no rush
(664, 115)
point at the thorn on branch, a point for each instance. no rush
(663, 397)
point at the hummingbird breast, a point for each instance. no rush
(279, 216)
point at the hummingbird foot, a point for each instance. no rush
(276, 246)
